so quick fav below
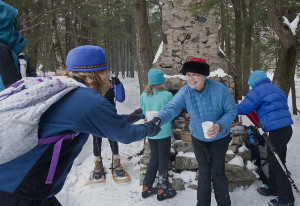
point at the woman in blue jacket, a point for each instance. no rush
(83, 110)
(205, 100)
(154, 98)
(270, 103)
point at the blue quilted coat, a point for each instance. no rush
(214, 104)
(270, 103)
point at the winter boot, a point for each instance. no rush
(147, 191)
(266, 191)
(163, 191)
(276, 202)
(118, 168)
(98, 172)
(165, 194)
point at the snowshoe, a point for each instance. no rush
(118, 173)
(147, 191)
(165, 194)
(98, 174)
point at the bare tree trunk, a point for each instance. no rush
(54, 37)
(238, 47)
(143, 42)
(289, 52)
(248, 17)
(294, 102)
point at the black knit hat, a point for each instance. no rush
(195, 65)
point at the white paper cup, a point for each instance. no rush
(205, 126)
(151, 114)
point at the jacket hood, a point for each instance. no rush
(9, 35)
(255, 77)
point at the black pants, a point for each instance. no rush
(9, 199)
(97, 142)
(159, 161)
(278, 181)
(211, 166)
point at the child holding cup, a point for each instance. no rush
(152, 100)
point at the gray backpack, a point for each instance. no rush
(21, 107)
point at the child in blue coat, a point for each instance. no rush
(270, 103)
(154, 98)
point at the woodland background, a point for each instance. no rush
(252, 34)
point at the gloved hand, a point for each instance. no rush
(154, 125)
(138, 111)
(131, 118)
(115, 80)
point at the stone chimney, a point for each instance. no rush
(186, 36)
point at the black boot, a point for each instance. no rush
(147, 191)
(163, 190)
(266, 191)
(276, 202)
(165, 194)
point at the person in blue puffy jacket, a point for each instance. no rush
(270, 104)
(205, 100)
(83, 110)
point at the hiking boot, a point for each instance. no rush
(147, 191)
(165, 194)
(118, 168)
(98, 171)
(266, 191)
(275, 202)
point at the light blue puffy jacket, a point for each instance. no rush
(214, 104)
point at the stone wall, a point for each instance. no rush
(183, 163)
(186, 36)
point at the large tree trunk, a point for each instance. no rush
(289, 51)
(238, 47)
(248, 17)
(54, 37)
(143, 42)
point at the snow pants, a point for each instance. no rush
(97, 142)
(9, 199)
(211, 167)
(278, 181)
(159, 161)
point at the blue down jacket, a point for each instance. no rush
(82, 110)
(214, 104)
(270, 103)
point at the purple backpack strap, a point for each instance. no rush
(56, 151)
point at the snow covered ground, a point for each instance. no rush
(76, 192)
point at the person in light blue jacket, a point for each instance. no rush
(270, 104)
(205, 100)
(154, 98)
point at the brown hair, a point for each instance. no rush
(97, 80)
(149, 88)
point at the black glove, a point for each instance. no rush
(138, 111)
(115, 80)
(131, 118)
(154, 125)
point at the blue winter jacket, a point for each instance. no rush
(270, 103)
(82, 110)
(214, 104)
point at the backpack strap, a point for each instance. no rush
(56, 151)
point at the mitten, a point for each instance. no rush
(154, 125)
(115, 80)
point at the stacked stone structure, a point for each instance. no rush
(186, 36)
